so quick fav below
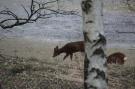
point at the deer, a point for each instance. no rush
(73, 47)
(69, 49)
(117, 58)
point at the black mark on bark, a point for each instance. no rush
(86, 38)
(99, 51)
(86, 65)
(86, 6)
(100, 74)
(101, 40)
(90, 21)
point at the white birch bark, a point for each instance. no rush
(95, 66)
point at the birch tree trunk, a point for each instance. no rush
(95, 65)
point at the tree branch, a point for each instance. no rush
(32, 16)
(26, 10)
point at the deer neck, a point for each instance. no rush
(60, 50)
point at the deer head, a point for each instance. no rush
(56, 51)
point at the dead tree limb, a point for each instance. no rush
(35, 12)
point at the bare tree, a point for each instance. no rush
(95, 64)
(37, 10)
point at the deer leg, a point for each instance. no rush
(71, 56)
(65, 56)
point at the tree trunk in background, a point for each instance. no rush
(95, 65)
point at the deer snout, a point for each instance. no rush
(53, 55)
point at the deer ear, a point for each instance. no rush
(57, 47)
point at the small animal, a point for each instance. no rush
(69, 49)
(117, 58)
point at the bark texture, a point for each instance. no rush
(95, 66)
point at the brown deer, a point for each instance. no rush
(69, 49)
(117, 58)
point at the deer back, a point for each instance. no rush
(75, 46)
(117, 57)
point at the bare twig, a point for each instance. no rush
(32, 16)
(26, 10)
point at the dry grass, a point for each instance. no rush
(16, 73)
(36, 69)
(121, 77)
(32, 73)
